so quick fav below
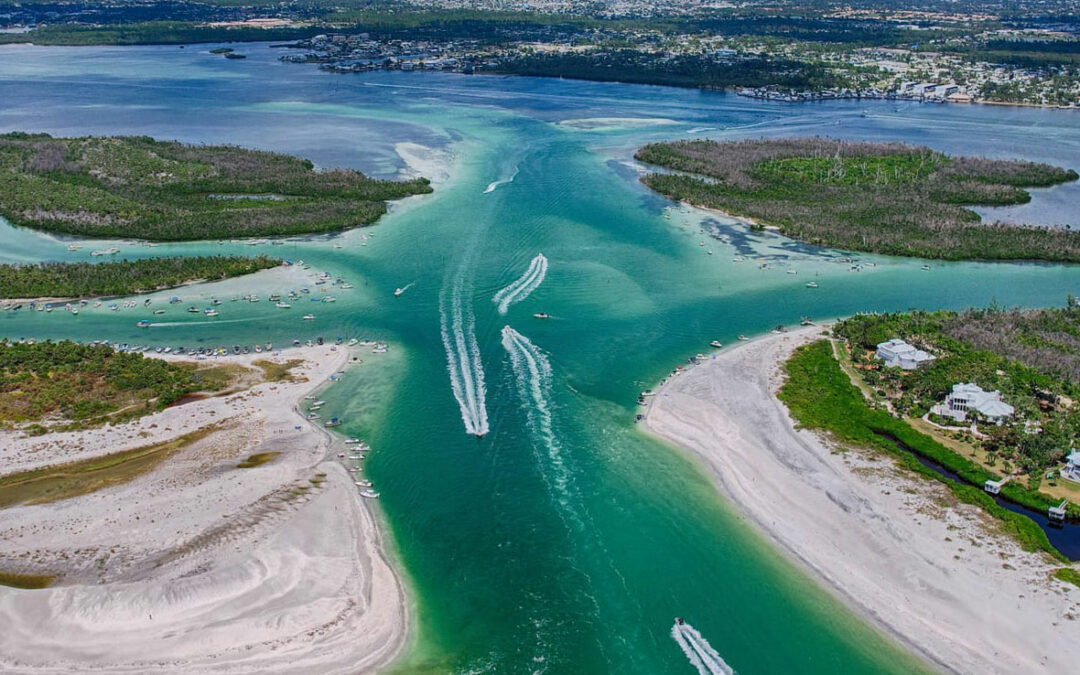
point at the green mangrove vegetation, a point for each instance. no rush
(885, 198)
(820, 396)
(137, 187)
(86, 280)
(70, 382)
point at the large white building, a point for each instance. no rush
(971, 398)
(898, 354)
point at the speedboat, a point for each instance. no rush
(926, 268)
(716, 343)
(159, 311)
(143, 323)
(309, 317)
(210, 312)
(363, 483)
(398, 291)
(811, 284)
(283, 305)
(370, 494)
(542, 315)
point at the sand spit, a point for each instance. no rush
(198, 566)
(897, 548)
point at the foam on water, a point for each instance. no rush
(524, 285)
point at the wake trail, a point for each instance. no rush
(495, 184)
(698, 651)
(524, 285)
(458, 328)
(532, 371)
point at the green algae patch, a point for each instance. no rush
(26, 581)
(74, 479)
(258, 459)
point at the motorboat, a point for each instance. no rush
(743, 338)
(283, 305)
(210, 312)
(363, 483)
(542, 315)
(370, 494)
(716, 343)
(143, 323)
(159, 311)
(811, 284)
(309, 317)
(398, 291)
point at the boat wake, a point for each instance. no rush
(495, 184)
(524, 285)
(698, 650)
(458, 326)
(532, 371)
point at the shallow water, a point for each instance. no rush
(563, 540)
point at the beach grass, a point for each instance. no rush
(74, 479)
(1069, 575)
(278, 372)
(820, 396)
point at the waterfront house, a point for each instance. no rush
(1072, 466)
(971, 398)
(898, 354)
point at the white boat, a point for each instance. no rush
(309, 317)
(811, 284)
(793, 271)
(398, 291)
(210, 312)
(363, 483)
(105, 251)
(73, 247)
(370, 494)
(159, 311)
(926, 268)
(283, 305)
(716, 343)
(329, 298)
(743, 338)
(542, 315)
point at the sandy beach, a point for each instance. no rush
(898, 549)
(198, 566)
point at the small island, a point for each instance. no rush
(124, 277)
(887, 198)
(138, 187)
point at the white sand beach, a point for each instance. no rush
(897, 548)
(198, 566)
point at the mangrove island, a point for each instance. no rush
(887, 198)
(138, 187)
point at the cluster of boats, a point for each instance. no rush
(355, 454)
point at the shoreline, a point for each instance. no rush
(935, 574)
(280, 568)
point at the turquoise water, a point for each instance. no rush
(563, 541)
